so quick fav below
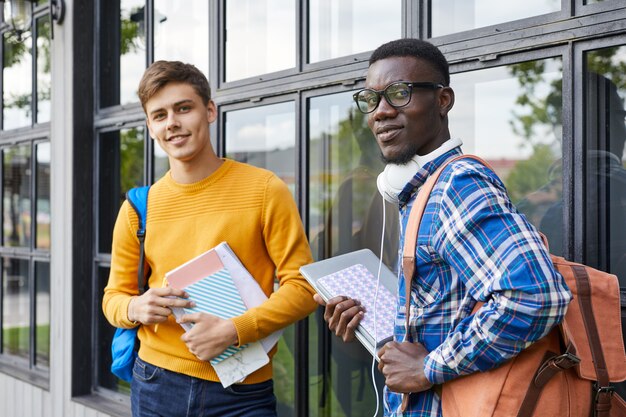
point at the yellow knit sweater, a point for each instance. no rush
(249, 208)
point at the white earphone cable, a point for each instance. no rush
(380, 265)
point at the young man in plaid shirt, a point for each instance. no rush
(472, 245)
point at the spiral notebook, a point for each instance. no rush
(355, 275)
(220, 285)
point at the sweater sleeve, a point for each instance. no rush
(122, 284)
(287, 246)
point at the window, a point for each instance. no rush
(265, 137)
(451, 16)
(261, 37)
(121, 161)
(25, 175)
(169, 18)
(25, 255)
(345, 214)
(124, 45)
(341, 28)
(605, 164)
(511, 117)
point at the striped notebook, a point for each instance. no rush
(210, 285)
(216, 294)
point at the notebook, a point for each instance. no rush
(354, 275)
(220, 285)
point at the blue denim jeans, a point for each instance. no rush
(157, 392)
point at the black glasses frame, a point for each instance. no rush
(423, 85)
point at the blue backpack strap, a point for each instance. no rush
(138, 199)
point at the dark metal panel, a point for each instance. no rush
(569, 149)
(301, 356)
(82, 198)
(148, 16)
(578, 167)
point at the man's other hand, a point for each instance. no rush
(154, 306)
(209, 336)
(402, 364)
(343, 315)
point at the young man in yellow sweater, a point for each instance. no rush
(203, 200)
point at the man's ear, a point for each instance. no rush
(446, 101)
(149, 129)
(211, 111)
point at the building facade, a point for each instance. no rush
(540, 90)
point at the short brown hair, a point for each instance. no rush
(160, 73)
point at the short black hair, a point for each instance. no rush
(415, 48)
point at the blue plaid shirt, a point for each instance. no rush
(472, 245)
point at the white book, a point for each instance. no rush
(219, 284)
(355, 275)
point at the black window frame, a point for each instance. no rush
(566, 34)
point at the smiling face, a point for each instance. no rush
(179, 121)
(421, 126)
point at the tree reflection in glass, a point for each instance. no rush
(345, 214)
(17, 81)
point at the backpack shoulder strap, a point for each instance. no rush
(415, 218)
(138, 199)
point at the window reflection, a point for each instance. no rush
(511, 117)
(261, 37)
(16, 209)
(42, 313)
(15, 307)
(340, 28)
(169, 18)
(605, 133)
(42, 218)
(265, 137)
(43, 70)
(17, 82)
(121, 168)
(161, 162)
(451, 16)
(104, 336)
(345, 214)
(122, 50)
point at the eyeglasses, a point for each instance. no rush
(397, 94)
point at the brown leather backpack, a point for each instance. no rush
(565, 374)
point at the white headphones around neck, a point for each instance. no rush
(395, 177)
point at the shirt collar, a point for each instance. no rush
(423, 173)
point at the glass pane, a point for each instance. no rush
(161, 162)
(340, 28)
(122, 50)
(104, 337)
(265, 137)
(15, 308)
(17, 82)
(605, 133)
(511, 117)
(121, 168)
(451, 16)
(43, 70)
(283, 365)
(169, 18)
(42, 314)
(17, 193)
(345, 214)
(42, 232)
(261, 37)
